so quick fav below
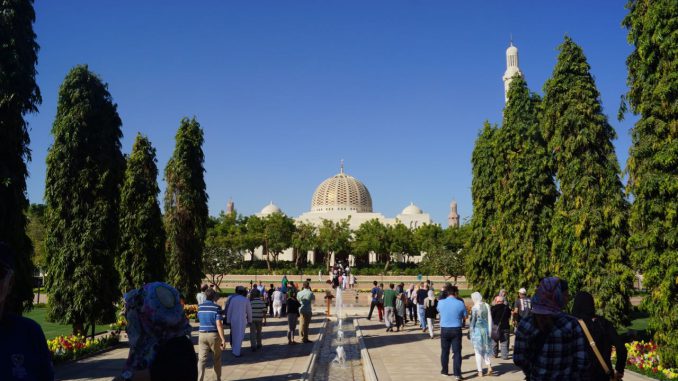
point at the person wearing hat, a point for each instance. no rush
(239, 315)
(522, 307)
(158, 332)
(23, 348)
(550, 344)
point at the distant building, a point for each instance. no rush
(511, 68)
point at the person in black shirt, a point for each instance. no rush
(605, 336)
(501, 313)
(292, 315)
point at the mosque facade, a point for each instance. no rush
(343, 197)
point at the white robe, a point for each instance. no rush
(239, 314)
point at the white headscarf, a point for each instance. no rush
(478, 304)
(431, 294)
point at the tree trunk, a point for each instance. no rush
(221, 277)
(78, 328)
(388, 262)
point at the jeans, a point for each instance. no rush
(292, 325)
(450, 337)
(412, 311)
(503, 344)
(388, 318)
(372, 305)
(421, 311)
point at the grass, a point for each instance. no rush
(52, 330)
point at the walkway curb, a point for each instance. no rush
(368, 367)
(310, 365)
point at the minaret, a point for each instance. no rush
(511, 68)
(453, 217)
(230, 207)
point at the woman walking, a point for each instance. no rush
(479, 330)
(602, 332)
(292, 315)
(431, 310)
(400, 311)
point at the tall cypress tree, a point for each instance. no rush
(20, 95)
(589, 229)
(526, 191)
(653, 163)
(142, 238)
(186, 209)
(84, 173)
(483, 259)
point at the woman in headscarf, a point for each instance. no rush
(411, 308)
(430, 310)
(158, 332)
(605, 337)
(550, 344)
(479, 330)
(400, 310)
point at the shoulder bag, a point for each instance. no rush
(592, 343)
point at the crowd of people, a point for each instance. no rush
(549, 344)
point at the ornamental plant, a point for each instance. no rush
(73, 347)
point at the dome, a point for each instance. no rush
(511, 50)
(270, 209)
(411, 209)
(341, 192)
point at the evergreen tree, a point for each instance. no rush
(483, 255)
(20, 96)
(142, 238)
(84, 173)
(653, 163)
(589, 228)
(186, 209)
(526, 191)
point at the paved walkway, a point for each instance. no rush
(411, 355)
(277, 360)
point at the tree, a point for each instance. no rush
(590, 216)
(252, 234)
(483, 256)
(653, 164)
(304, 239)
(526, 191)
(333, 238)
(20, 96)
(427, 238)
(142, 238)
(278, 231)
(84, 173)
(218, 261)
(400, 243)
(186, 209)
(372, 237)
(448, 256)
(37, 231)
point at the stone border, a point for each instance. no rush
(117, 345)
(639, 375)
(310, 365)
(368, 367)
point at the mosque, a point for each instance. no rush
(342, 196)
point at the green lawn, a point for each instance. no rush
(52, 330)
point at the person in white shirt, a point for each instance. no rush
(277, 302)
(200, 297)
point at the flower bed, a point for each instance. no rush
(74, 347)
(191, 311)
(643, 358)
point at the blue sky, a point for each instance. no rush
(286, 89)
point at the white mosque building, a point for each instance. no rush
(343, 197)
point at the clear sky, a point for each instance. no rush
(286, 89)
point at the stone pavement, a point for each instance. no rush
(411, 355)
(276, 361)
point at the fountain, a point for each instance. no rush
(341, 356)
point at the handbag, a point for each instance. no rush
(592, 343)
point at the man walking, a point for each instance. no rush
(389, 305)
(306, 298)
(452, 313)
(210, 333)
(375, 300)
(258, 319)
(522, 307)
(422, 294)
(239, 314)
